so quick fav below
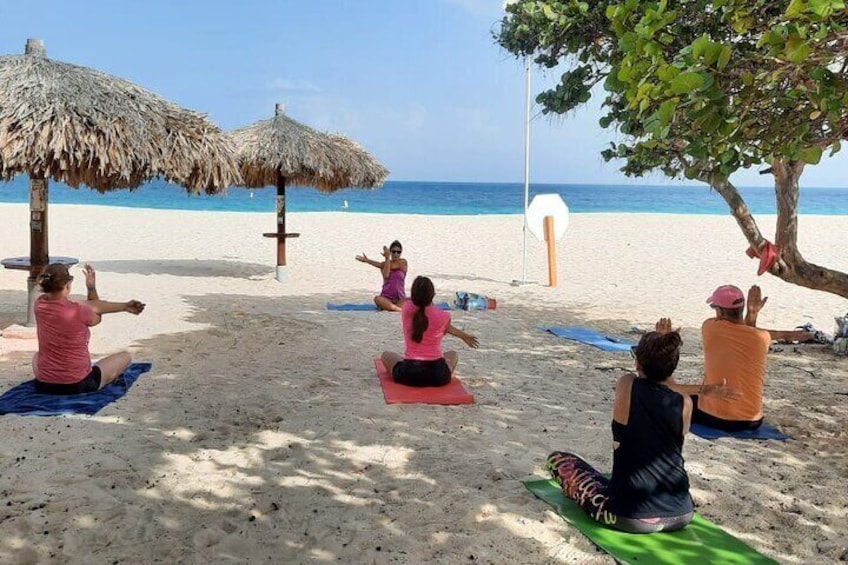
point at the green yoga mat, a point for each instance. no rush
(699, 542)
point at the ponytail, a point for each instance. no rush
(422, 296)
(420, 323)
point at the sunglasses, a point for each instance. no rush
(397, 251)
(633, 351)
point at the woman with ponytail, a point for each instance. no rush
(424, 326)
(649, 488)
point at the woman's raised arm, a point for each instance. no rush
(362, 258)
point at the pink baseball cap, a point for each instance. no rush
(727, 296)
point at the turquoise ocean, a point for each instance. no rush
(441, 198)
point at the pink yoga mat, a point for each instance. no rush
(451, 393)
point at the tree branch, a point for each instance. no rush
(800, 272)
(739, 210)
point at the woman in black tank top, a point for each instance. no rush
(649, 489)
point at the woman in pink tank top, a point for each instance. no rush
(424, 326)
(393, 268)
(62, 364)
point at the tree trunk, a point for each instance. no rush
(791, 266)
(786, 176)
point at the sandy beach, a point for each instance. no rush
(261, 434)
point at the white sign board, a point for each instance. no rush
(547, 205)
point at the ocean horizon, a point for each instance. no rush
(441, 198)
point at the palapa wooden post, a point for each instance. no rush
(281, 235)
(550, 238)
(39, 254)
(281, 220)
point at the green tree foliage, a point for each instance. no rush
(703, 88)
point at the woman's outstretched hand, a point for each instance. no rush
(362, 258)
(470, 340)
(386, 253)
(723, 391)
(134, 307)
(90, 276)
(663, 326)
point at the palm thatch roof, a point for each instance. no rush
(80, 126)
(303, 156)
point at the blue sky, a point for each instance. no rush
(419, 83)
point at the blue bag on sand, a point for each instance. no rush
(471, 301)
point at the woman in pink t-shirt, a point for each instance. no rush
(62, 364)
(424, 326)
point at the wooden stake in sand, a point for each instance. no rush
(550, 239)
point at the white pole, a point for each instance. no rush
(526, 164)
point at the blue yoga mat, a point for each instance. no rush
(23, 399)
(763, 432)
(591, 337)
(371, 307)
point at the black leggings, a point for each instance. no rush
(590, 490)
(710, 421)
(411, 372)
(90, 383)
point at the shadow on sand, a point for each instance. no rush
(265, 438)
(188, 268)
(13, 305)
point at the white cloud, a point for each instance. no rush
(287, 85)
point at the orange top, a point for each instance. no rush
(735, 352)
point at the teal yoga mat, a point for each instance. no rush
(591, 337)
(699, 542)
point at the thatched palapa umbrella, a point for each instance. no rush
(79, 126)
(280, 152)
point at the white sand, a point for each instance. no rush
(261, 434)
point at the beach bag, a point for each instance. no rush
(471, 301)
